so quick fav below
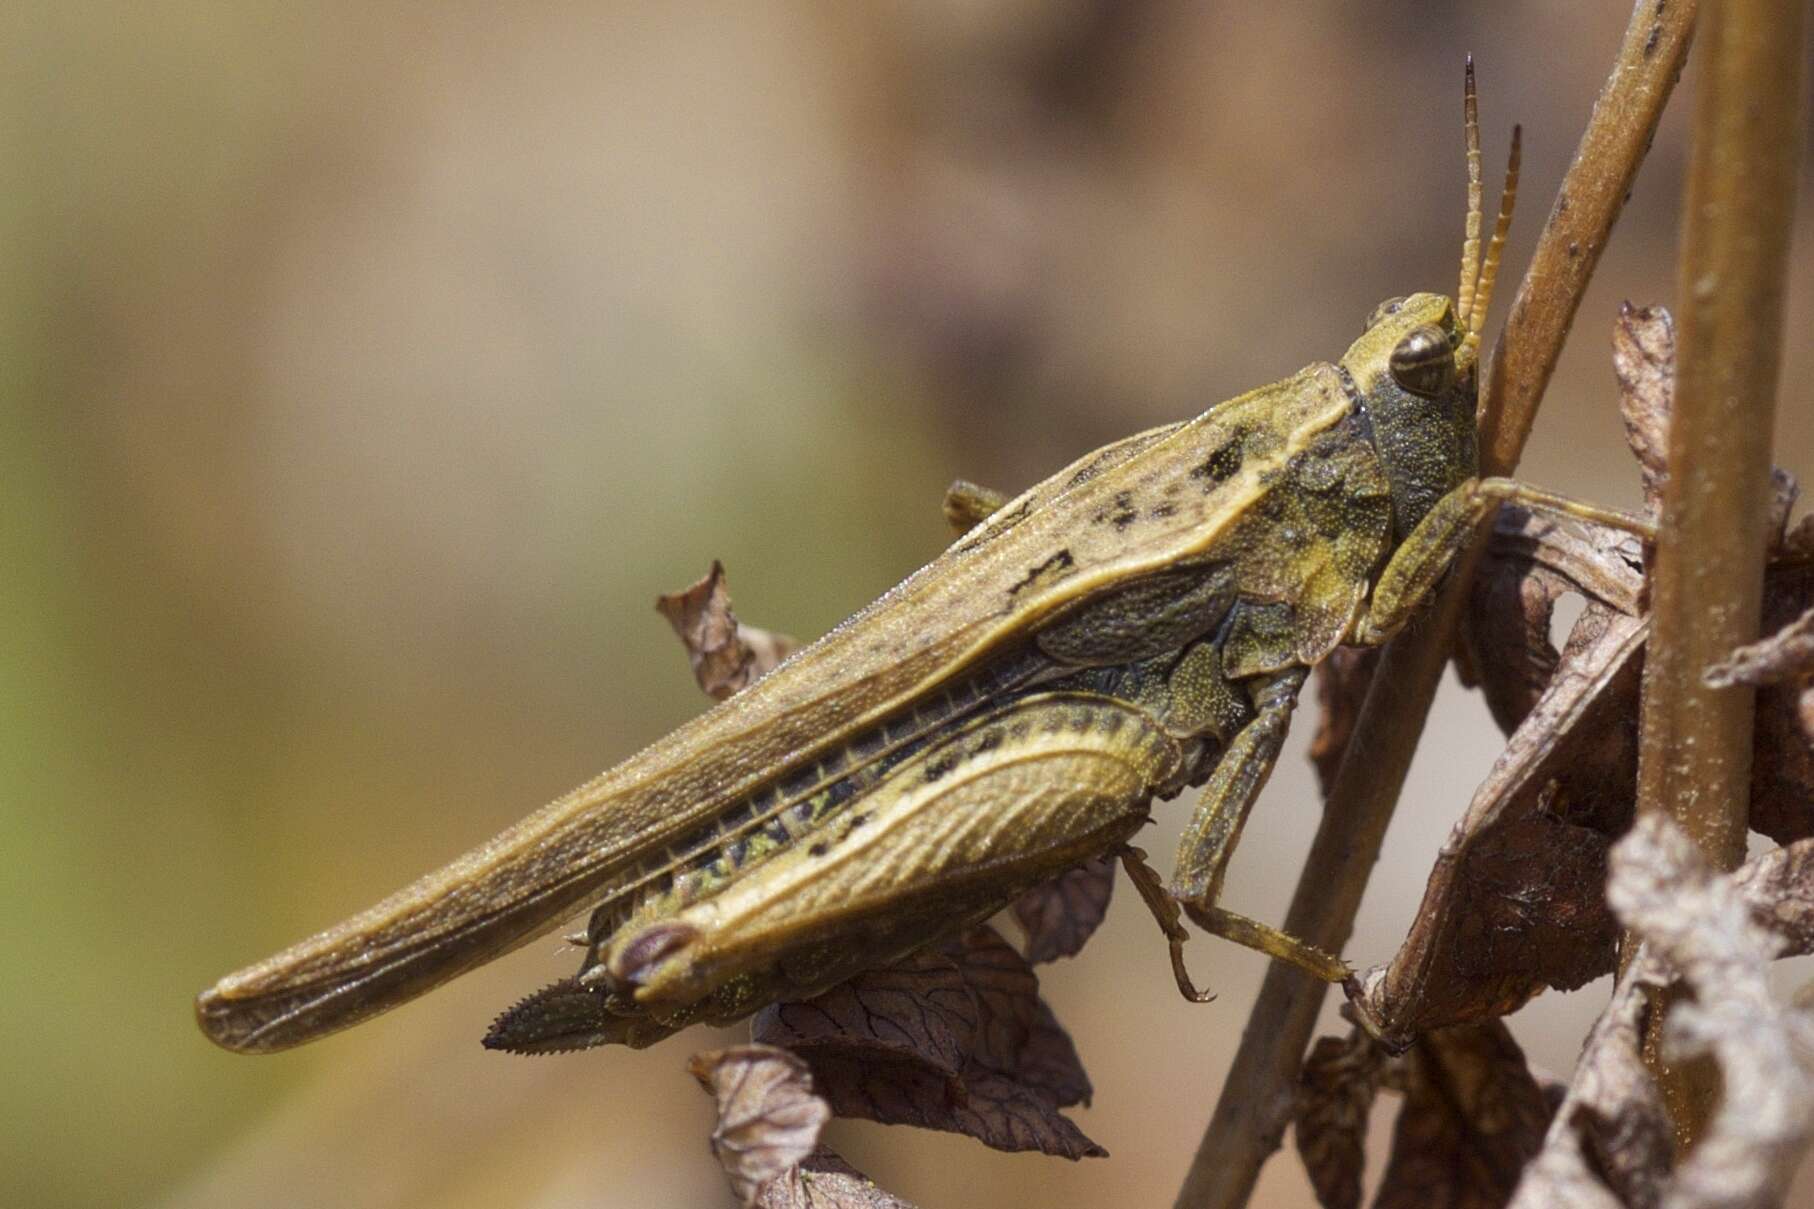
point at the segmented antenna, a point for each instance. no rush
(1489, 270)
(1470, 244)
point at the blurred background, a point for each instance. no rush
(369, 369)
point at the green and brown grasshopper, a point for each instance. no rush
(1139, 622)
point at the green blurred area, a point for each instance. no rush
(368, 371)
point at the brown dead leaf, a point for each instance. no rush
(1514, 902)
(1643, 360)
(1784, 490)
(1602, 564)
(1341, 689)
(1782, 763)
(768, 1117)
(1533, 561)
(918, 1009)
(959, 1040)
(1006, 991)
(1506, 635)
(1473, 1117)
(1061, 915)
(1707, 928)
(1798, 542)
(1050, 1063)
(997, 1110)
(1787, 654)
(1007, 1113)
(1611, 1143)
(727, 656)
(825, 1181)
(1779, 885)
(1337, 1087)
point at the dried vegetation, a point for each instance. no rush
(1558, 866)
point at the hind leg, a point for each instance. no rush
(952, 834)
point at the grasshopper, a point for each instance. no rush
(1140, 622)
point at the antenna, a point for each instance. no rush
(1489, 271)
(1470, 244)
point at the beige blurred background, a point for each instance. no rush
(368, 369)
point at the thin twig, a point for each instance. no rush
(1707, 578)
(1256, 1101)
(1588, 202)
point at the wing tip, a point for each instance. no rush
(254, 1021)
(223, 1020)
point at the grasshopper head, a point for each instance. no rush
(1416, 366)
(1418, 391)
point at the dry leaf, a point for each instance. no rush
(768, 1117)
(1784, 489)
(1023, 1067)
(1337, 1087)
(1506, 635)
(1006, 991)
(1514, 902)
(957, 1040)
(917, 1009)
(1061, 915)
(1787, 654)
(1720, 934)
(1611, 1125)
(1798, 542)
(1782, 763)
(1050, 1063)
(825, 1181)
(727, 656)
(1473, 1117)
(1007, 1113)
(1643, 360)
(1779, 884)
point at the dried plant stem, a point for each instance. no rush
(1707, 579)
(1592, 193)
(1257, 1098)
(1256, 1101)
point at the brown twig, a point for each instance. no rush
(1588, 202)
(1707, 579)
(1256, 1101)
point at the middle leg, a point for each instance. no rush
(1209, 841)
(1428, 551)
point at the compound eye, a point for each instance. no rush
(1424, 362)
(1388, 307)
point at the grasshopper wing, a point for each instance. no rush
(1132, 508)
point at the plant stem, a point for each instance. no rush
(1257, 1097)
(1587, 204)
(1707, 578)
